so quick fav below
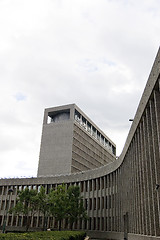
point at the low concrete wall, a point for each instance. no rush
(141, 237)
(118, 236)
(105, 235)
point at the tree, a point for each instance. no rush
(75, 208)
(43, 205)
(27, 204)
(61, 203)
(57, 203)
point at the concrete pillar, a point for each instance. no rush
(100, 210)
(156, 165)
(105, 203)
(96, 211)
(92, 210)
(138, 182)
(134, 190)
(149, 181)
(84, 196)
(107, 199)
(144, 180)
(151, 171)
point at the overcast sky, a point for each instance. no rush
(95, 53)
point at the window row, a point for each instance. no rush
(94, 132)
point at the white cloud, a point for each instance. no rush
(97, 54)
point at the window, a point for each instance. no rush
(88, 127)
(77, 116)
(84, 125)
(98, 136)
(58, 116)
(0, 190)
(94, 134)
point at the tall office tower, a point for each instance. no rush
(71, 143)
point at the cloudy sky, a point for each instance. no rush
(95, 53)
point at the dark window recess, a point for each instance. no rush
(59, 116)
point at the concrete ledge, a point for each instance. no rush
(141, 237)
(105, 235)
(118, 236)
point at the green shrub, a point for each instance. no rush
(51, 235)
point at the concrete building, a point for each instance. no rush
(122, 198)
(71, 143)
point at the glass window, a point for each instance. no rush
(98, 136)
(77, 116)
(88, 127)
(94, 134)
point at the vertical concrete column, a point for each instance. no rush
(157, 115)
(84, 196)
(16, 221)
(138, 182)
(151, 171)
(138, 207)
(6, 199)
(9, 203)
(122, 197)
(141, 195)
(2, 190)
(124, 190)
(155, 153)
(72, 112)
(134, 193)
(135, 202)
(116, 201)
(92, 210)
(97, 189)
(1, 205)
(100, 210)
(32, 221)
(119, 198)
(149, 189)
(78, 223)
(130, 188)
(111, 197)
(131, 196)
(142, 185)
(37, 220)
(105, 203)
(88, 202)
(144, 179)
(157, 142)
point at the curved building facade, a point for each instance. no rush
(122, 198)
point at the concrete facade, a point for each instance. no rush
(122, 198)
(71, 143)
